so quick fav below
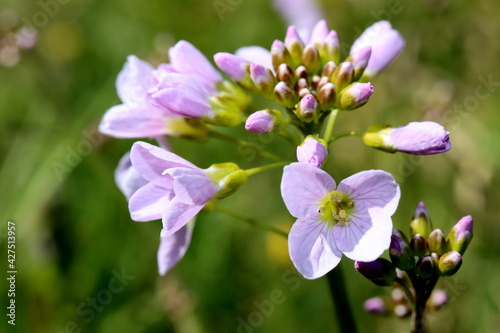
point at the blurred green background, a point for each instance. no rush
(74, 232)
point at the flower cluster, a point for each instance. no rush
(416, 265)
(305, 75)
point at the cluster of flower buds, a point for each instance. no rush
(418, 262)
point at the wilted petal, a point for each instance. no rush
(177, 214)
(134, 121)
(366, 237)
(134, 80)
(151, 161)
(312, 248)
(302, 188)
(127, 178)
(187, 59)
(192, 186)
(148, 202)
(372, 189)
(172, 248)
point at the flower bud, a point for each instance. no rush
(307, 109)
(449, 263)
(375, 305)
(402, 310)
(400, 234)
(263, 79)
(401, 254)
(312, 151)
(421, 223)
(359, 60)
(265, 121)
(326, 96)
(418, 245)
(330, 50)
(280, 55)
(284, 95)
(437, 242)
(228, 176)
(461, 234)
(310, 59)
(355, 95)
(418, 138)
(381, 271)
(425, 267)
(342, 75)
(285, 73)
(236, 68)
(328, 69)
(294, 44)
(438, 299)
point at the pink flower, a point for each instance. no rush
(172, 247)
(353, 218)
(386, 43)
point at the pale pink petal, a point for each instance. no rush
(151, 161)
(366, 237)
(319, 33)
(134, 80)
(166, 80)
(172, 248)
(256, 54)
(372, 188)
(177, 214)
(127, 178)
(191, 186)
(148, 202)
(312, 248)
(303, 186)
(187, 59)
(138, 121)
(185, 103)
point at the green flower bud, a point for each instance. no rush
(311, 59)
(461, 235)
(342, 75)
(285, 95)
(354, 95)
(437, 242)
(425, 267)
(449, 263)
(421, 223)
(418, 245)
(228, 176)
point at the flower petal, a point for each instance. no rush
(186, 103)
(187, 59)
(172, 248)
(134, 80)
(303, 186)
(191, 186)
(151, 161)
(366, 237)
(127, 178)
(149, 202)
(372, 188)
(177, 214)
(256, 54)
(312, 248)
(134, 121)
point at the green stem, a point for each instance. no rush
(407, 291)
(343, 311)
(344, 134)
(253, 171)
(263, 153)
(330, 125)
(250, 221)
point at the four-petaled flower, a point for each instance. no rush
(353, 218)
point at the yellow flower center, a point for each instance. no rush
(336, 207)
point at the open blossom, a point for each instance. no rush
(386, 43)
(177, 190)
(172, 247)
(418, 138)
(353, 218)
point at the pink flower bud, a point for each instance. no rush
(355, 95)
(312, 151)
(235, 67)
(307, 108)
(265, 121)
